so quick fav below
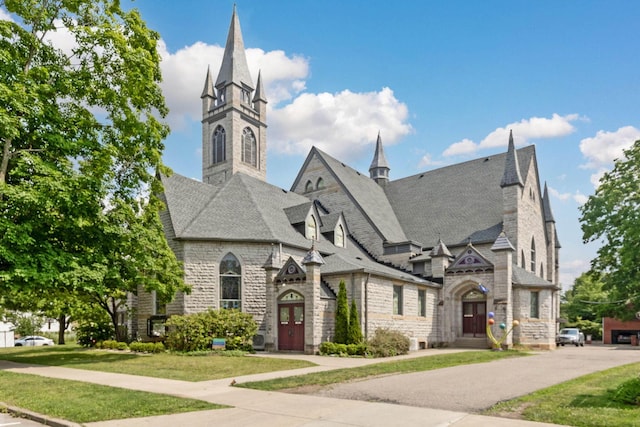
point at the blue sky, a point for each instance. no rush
(442, 81)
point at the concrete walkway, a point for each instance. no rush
(251, 407)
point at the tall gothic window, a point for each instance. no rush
(533, 255)
(230, 282)
(219, 145)
(249, 147)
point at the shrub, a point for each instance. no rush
(195, 332)
(89, 332)
(386, 343)
(331, 348)
(354, 335)
(342, 315)
(628, 392)
(147, 347)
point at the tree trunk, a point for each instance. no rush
(62, 327)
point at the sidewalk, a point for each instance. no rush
(270, 409)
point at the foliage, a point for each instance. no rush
(95, 327)
(586, 303)
(387, 342)
(342, 316)
(612, 216)
(329, 348)
(354, 335)
(81, 141)
(588, 327)
(628, 392)
(112, 345)
(25, 323)
(196, 331)
(147, 347)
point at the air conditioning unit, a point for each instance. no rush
(258, 341)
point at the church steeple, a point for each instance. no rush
(234, 67)
(234, 135)
(511, 167)
(379, 169)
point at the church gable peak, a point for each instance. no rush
(470, 259)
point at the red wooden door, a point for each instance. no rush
(474, 318)
(291, 327)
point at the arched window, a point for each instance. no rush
(308, 186)
(222, 96)
(312, 232)
(219, 145)
(542, 271)
(533, 255)
(320, 184)
(339, 236)
(522, 261)
(230, 282)
(249, 152)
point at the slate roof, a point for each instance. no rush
(457, 202)
(526, 278)
(368, 195)
(248, 209)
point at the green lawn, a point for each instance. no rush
(426, 363)
(83, 402)
(582, 402)
(165, 365)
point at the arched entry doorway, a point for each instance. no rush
(291, 322)
(474, 314)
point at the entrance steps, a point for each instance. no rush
(470, 342)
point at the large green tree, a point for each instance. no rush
(612, 216)
(342, 315)
(81, 139)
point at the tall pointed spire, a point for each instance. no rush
(259, 95)
(234, 67)
(379, 169)
(546, 206)
(511, 167)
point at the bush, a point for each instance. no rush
(147, 347)
(195, 332)
(628, 392)
(331, 348)
(386, 343)
(89, 332)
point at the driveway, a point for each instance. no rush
(473, 388)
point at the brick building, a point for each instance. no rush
(429, 255)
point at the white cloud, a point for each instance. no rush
(185, 70)
(523, 131)
(4, 15)
(344, 124)
(578, 197)
(602, 149)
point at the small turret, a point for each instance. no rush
(208, 95)
(379, 169)
(511, 167)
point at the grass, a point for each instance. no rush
(165, 365)
(426, 363)
(83, 402)
(582, 402)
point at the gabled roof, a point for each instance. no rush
(248, 209)
(368, 196)
(242, 208)
(457, 202)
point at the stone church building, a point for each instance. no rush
(428, 255)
